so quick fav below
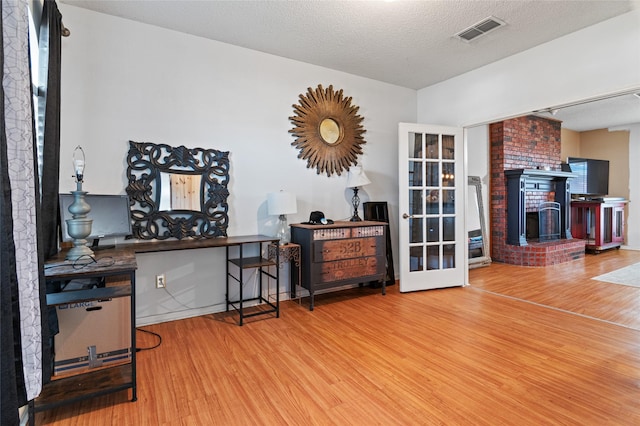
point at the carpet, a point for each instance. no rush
(629, 275)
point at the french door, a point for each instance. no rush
(432, 210)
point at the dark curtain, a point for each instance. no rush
(50, 49)
(12, 386)
(50, 45)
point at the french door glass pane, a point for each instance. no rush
(433, 207)
(415, 173)
(415, 145)
(433, 147)
(448, 147)
(448, 201)
(433, 229)
(415, 230)
(449, 256)
(448, 229)
(416, 259)
(433, 174)
(433, 257)
(448, 174)
(415, 202)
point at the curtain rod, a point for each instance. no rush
(65, 31)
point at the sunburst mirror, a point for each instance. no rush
(328, 130)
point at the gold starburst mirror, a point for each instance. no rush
(328, 130)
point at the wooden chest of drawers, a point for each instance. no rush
(340, 254)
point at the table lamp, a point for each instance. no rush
(281, 204)
(79, 228)
(355, 179)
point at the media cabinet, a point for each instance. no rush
(599, 222)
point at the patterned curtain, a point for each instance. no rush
(20, 266)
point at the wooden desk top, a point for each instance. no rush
(122, 258)
(107, 262)
(157, 246)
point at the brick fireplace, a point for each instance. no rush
(528, 150)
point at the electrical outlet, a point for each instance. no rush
(161, 281)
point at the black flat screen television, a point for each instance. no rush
(111, 216)
(593, 176)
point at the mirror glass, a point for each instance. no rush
(329, 131)
(478, 242)
(177, 192)
(180, 191)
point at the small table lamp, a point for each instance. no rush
(356, 178)
(281, 204)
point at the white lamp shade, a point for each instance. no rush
(281, 203)
(356, 177)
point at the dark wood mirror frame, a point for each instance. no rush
(328, 130)
(147, 162)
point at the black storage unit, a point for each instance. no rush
(378, 211)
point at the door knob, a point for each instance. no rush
(405, 216)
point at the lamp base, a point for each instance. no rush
(283, 230)
(79, 227)
(355, 201)
(79, 251)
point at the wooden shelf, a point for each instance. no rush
(252, 262)
(85, 385)
(76, 296)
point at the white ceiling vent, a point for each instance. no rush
(480, 28)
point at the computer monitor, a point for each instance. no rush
(111, 216)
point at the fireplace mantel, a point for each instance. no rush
(519, 181)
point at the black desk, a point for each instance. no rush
(116, 270)
(234, 267)
(121, 262)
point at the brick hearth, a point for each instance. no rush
(525, 143)
(546, 253)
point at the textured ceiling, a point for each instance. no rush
(605, 113)
(405, 43)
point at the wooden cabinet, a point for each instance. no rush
(601, 223)
(340, 254)
(111, 277)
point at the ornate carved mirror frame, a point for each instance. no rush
(328, 130)
(177, 192)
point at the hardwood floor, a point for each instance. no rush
(455, 356)
(570, 287)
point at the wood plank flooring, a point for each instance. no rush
(457, 356)
(570, 286)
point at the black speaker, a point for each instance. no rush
(377, 211)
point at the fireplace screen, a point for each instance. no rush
(549, 221)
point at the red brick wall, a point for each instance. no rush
(528, 142)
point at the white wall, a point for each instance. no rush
(123, 80)
(595, 61)
(477, 159)
(633, 208)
